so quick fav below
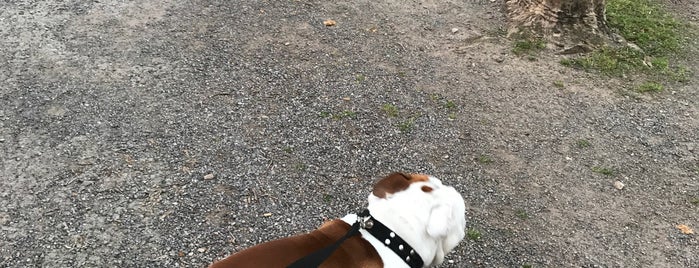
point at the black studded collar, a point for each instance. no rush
(390, 239)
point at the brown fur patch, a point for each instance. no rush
(396, 182)
(426, 189)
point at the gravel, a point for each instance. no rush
(172, 133)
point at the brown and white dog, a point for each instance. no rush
(426, 214)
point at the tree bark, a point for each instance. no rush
(565, 22)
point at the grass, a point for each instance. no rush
(603, 171)
(450, 104)
(645, 24)
(473, 234)
(451, 116)
(300, 167)
(360, 78)
(528, 47)
(407, 125)
(650, 86)
(390, 109)
(694, 201)
(526, 265)
(344, 114)
(583, 143)
(521, 214)
(484, 159)
(327, 198)
(559, 84)
(656, 34)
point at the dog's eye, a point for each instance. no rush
(426, 189)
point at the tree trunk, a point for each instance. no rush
(568, 23)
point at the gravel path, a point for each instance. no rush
(164, 133)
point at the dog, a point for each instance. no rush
(422, 220)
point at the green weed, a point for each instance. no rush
(390, 109)
(407, 125)
(528, 46)
(559, 84)
(583, 143)
(603, 171)
(473, 234)
(327, 198)
(522, 214)
(344, 114)
(449, 104)
(650, 86)
(451, 116)
(484, 159)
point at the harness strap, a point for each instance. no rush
(319, 256)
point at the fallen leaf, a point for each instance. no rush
(685, 229)
(329, 23)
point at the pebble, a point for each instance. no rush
(209, 176)
(201, 250)
(618, 185)
(454, 30)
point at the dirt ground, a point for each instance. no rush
(163, 133)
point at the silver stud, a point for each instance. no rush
(392, 234)
(400, 247)
(407, 258)
(388, 241)
(412, 252)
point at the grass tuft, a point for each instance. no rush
(559, 84)
(528, 47)
(473, 234)
(522, 214)
(407, 125)
(650, 86)
(583, 143)
(390, 109)
(484, 159)
(603, 171)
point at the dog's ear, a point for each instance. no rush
(440, 220)
(393, 183)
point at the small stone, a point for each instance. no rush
(209, 176)
(329, 23)
(267, 214)
(346, 99)
(201, 250)
(454, 30)
(618, 185)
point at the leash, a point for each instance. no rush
(319, 256)
(374, 227)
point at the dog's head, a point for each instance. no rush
(428, 215)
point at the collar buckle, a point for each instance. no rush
(366, 222)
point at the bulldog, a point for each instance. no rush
(412, 220)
